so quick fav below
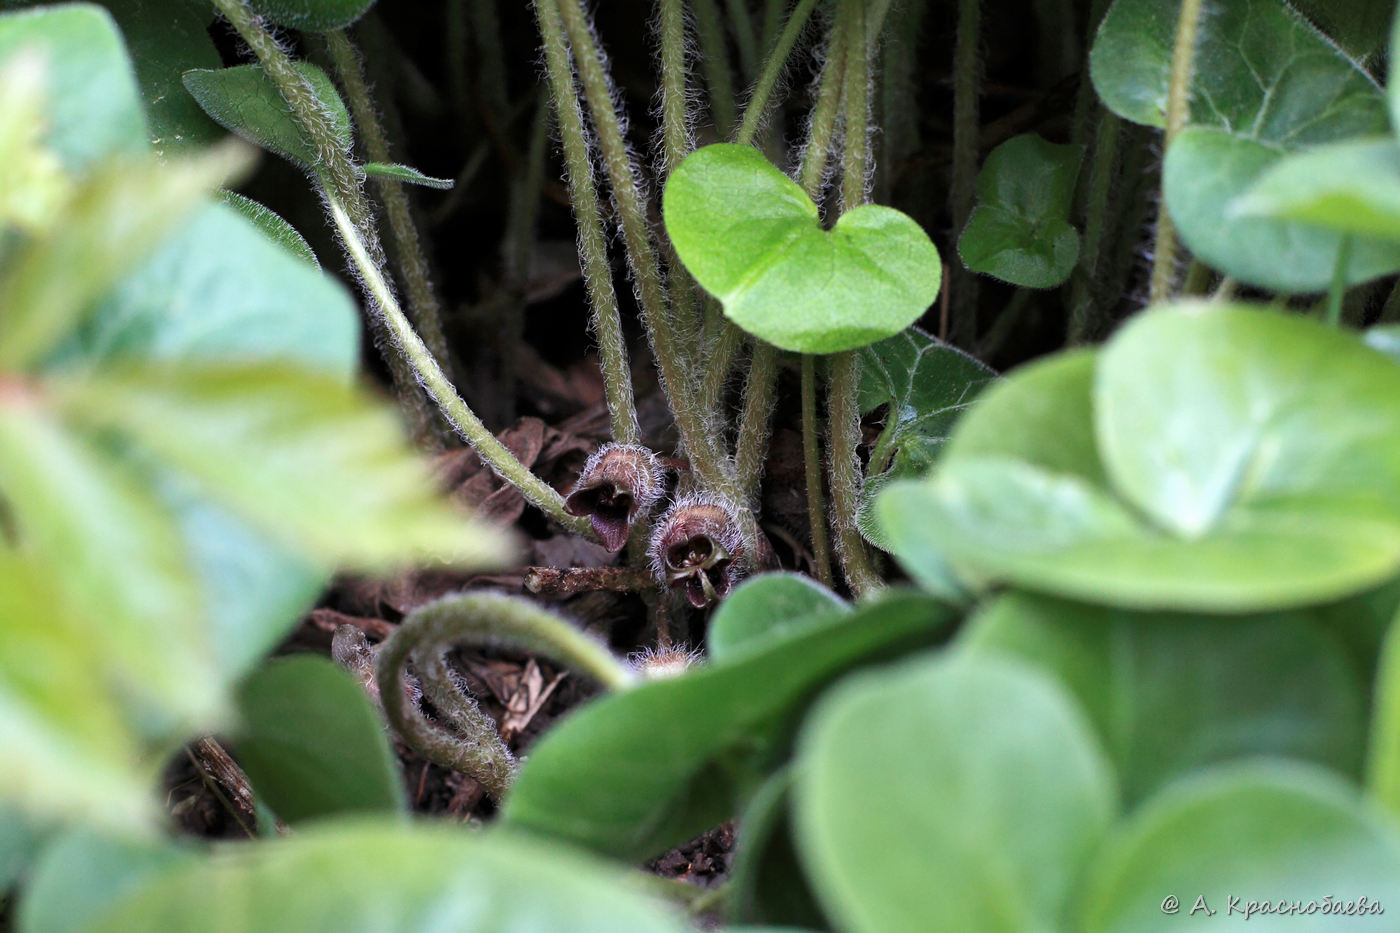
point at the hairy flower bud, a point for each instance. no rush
(619, 483)
(698, 547)
(664, 663)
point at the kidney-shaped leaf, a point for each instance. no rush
(981, 793)
(312, 743)
(1170, 692)
(1020, 231)
(752, 238)
(637, 772)
(1350, 187)
(243, 99)
(1265, 84)
(1247, 834)
(369, 877)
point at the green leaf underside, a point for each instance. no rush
(1350, 187)
(1266, 84)
(751, 237)
(243, 100)
(1019, 231)
(406, 174)
(94, 107)
(927, 385)
(1169, 692)
(997, 831)
(365, 876)
(312, 744)
(1273, 831)
(1261, 446)
(312, 15)
(618, 777)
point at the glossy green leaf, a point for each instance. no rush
(1212, 415)
(367, 877)
(406, 174)
(312, 15)
(81, 874)
(927, 385)
(1207, 169)
(752, 238)
(766, 881)
(1350, 187)
(94, 106)
(1260, 832)
(167, 38)
(981, 792)
(312, 744)
(272, 225)
(1169, 692)
(768, 608)
(1383, 760)
(1019, 231)
(1260, 446)
(635, 773)
(1265, 84)
(311, 462)
(244, 100)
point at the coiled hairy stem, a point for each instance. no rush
(488, 619)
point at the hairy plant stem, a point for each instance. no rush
(592, 238)
(535, 490)
(812, 461)
(967, 93)
(1338, 288)
(715, 61)
(757, 108)
(424, 309)
(842, 407)
(756, 419)
(744, 37)
(1103, 163)
(337, 173)
(674, 361)
(1178, 113)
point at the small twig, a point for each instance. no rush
(218, 770)
(563, 582)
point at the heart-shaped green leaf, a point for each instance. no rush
(1361, 27)
(1020, 231)
(1265, 84)
(620, 777)
(368, 876)
(1261, 446)
(1276, 832)
(927, 385)
(1169, 692)
(752, 238)
(244, 100)
(982, 793)
(1350, 187)
(312, 743)
(312, 15)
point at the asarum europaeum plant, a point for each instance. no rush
(1149, 664)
